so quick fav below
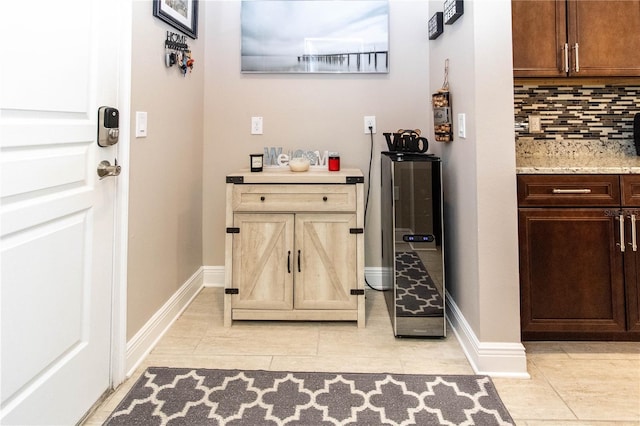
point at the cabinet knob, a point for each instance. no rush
(262, 198)
(324, 198)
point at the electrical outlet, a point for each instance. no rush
(256, 125)
(369, 121)
(535, 125)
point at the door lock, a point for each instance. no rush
(106, 169)
(108, 126)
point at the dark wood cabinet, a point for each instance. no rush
(576, 38)
(578, 265)
(631, 204)
(539, 35)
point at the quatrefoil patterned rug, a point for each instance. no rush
(182, 396)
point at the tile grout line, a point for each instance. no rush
(546, 379)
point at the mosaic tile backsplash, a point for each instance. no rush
(576, 120)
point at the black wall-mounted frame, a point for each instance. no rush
(453, 9)
(183, 19)
(436, 26)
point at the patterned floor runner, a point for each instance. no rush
(182, 396)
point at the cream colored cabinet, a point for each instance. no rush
(295, 246)
(262, 251)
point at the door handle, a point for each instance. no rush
(571, 191)
(621, 217)
(105, 169)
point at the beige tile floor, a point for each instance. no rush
(572, 383)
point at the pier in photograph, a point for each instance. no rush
(342, 58)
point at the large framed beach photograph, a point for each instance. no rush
(315, 36)
(180, 14)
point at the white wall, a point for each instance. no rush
(480, 182)
(323, 111)
(165, 185)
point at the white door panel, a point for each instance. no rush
(57, 217)
(54, 167)
(55, 55)
(54, 327)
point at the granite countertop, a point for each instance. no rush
(615, 164)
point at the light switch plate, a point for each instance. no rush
(141, 124)
(462, 126)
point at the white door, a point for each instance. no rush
(60, 62)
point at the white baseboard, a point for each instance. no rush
(497, 359)
(213, 276)
(144, 341)
(373, 275)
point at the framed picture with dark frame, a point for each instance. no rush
(180, 14)
(315, 36)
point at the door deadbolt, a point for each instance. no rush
(108, 126)
(105, 169)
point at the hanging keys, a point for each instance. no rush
(178, 53)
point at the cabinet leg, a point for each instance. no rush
(227, 310)
(361, 313)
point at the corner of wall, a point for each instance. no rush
(496, 359)
(143, 342)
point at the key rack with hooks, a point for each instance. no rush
(177, 52)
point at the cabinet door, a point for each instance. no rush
(606, 33)
(539, 36)
(571, 273)
(631, 200)
(632, 268)
(325, 261)
(262, 261)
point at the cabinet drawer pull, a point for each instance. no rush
(621, 232)
(324, 198)
(577, 58)
(634, 243)
(262, 198)
(566, 57)
(571, 191)
(299, 261)
(289, 261)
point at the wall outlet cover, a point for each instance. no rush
(256, 125)
(535, 124)
(369, 120)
